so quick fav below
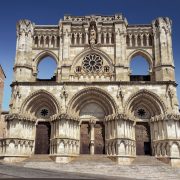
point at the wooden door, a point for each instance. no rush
(42, 142)
(143, 139)
(99, 139)
(85, 138)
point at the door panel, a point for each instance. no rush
(42, 138)
(143, 139)
(99, 132)
(85, 138)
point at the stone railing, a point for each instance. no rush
(92, 77)
(139, 36)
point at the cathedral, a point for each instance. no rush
(93, 104)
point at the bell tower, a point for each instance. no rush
(23, 60)
(164, 65)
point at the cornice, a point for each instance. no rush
(50, 83)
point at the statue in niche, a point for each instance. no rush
(170, 95)
(64, 96)
(120, 96)
(92, 38)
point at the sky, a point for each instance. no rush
(51, 11)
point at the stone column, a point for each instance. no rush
(75, 38)
(86, 38)
(130, 40)
(136, 42)
(39, 41)
(92, 123)
(110, 36)
(99, 37)
(104, 36)
(50, 40)
(141, 37)
(147, 39)
(44, 41)
(80, 38)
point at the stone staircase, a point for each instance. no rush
(39, 158)
(143, 167)
(147, 161)
(92, 159)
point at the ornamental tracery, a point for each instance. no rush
(92, 63)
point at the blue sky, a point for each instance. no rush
(50, 11)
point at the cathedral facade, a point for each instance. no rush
(93, 104)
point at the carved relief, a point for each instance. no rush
(93, 35)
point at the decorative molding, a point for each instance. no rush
(20, 117)
(148, 93)
(165, 117)
(96, 91)
(40, 92)
(120, 116)
(64, 116)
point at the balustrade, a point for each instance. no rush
(139, 40)
(46, 41)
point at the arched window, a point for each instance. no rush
(139, 67)
(47, 69)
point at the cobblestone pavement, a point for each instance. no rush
(147, 168)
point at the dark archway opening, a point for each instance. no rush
(85, 138)
(42, 142)
(99, 138)
(143, 138)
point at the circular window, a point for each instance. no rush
(141, 112)
(92, 63)
(44, 112)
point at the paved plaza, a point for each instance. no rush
(90, 167)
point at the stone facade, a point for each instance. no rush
(2, 77)
(3, 124)
(93, 104)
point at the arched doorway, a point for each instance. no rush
(92, 131)
(41, 105)
(42, 141)
(143, 138)
(92, 105)
(143, 105)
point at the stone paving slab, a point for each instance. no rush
(146, 168)
(135, 171)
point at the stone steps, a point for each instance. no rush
(92, 159)
(148, 160)
(143, 167)
(39, 158)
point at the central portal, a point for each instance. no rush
(143, 139)
(42, 145)
(92, 138)
(99, 140)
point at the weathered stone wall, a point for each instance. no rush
(93, 75)
(3, 124)
(2, 77)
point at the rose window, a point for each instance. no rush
(92, 63)
(44, 112)
(141, 112)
